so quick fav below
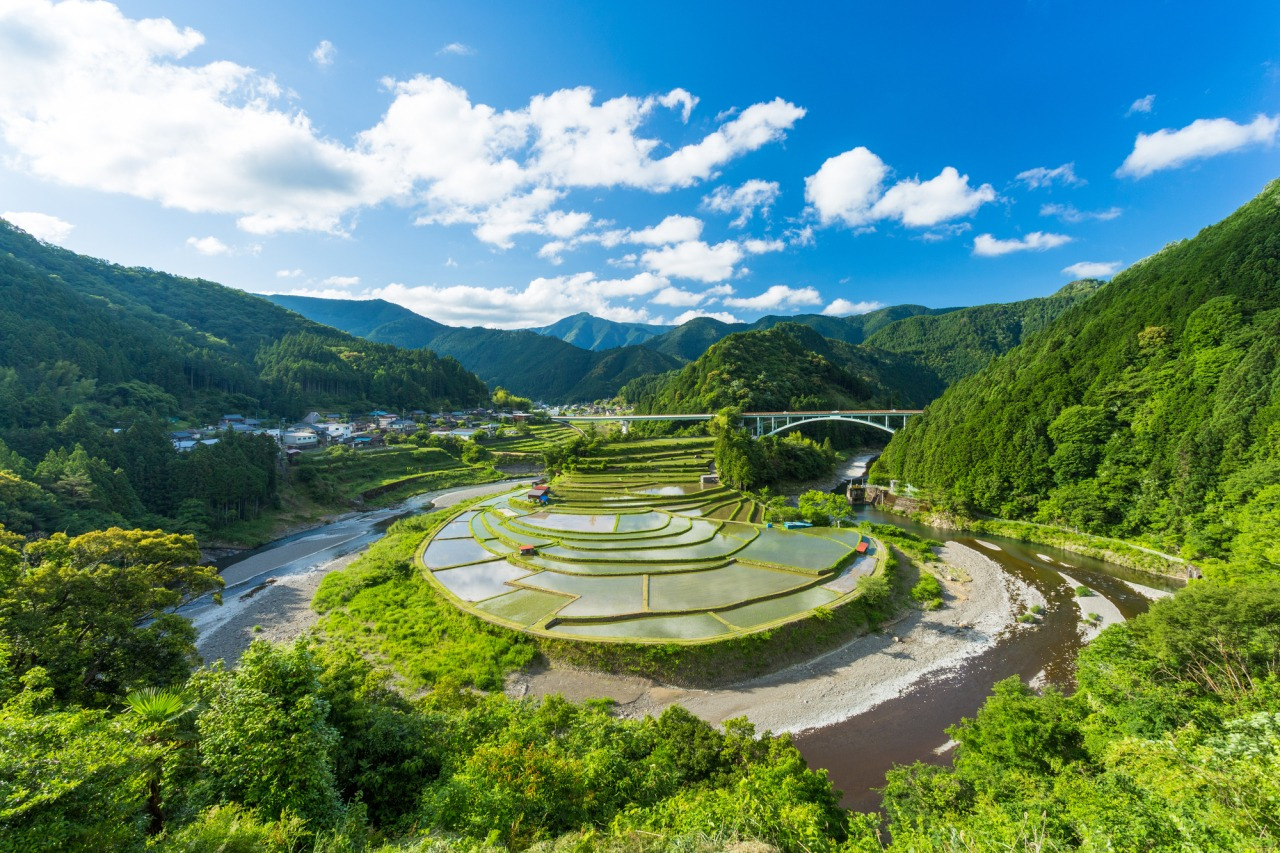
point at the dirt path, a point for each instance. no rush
(839, 684)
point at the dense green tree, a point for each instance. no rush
(96, 611)
(265, 737)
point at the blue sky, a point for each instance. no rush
(509, 164)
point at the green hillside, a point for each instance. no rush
(596, 333)
(76, 330)
(524, 362)
(962, 341)
(790, 367)
(688, 341)
(1151, 409)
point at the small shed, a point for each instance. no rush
(539, 494)
(862, 547)
(527, 550)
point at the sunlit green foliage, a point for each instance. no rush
(1149, 411)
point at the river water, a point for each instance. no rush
(857, 752)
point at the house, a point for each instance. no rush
(528, 550)
(293, 454)
(403, 425)
(312, 418)
(227, 420)
(466, 434)
(539, 494)
(336, 431)
(301, 438)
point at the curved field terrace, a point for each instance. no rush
(651, 556)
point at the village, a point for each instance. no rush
(319, 430)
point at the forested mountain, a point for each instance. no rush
(87, 347)
(78, 330)
(524, 362)
(790, 367)
(691, 339)
(1153, 408)
(596, 333)
(960, 342)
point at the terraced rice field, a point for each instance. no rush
(640, 551)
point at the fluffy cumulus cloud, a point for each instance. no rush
(1206, 137)
(1145, 104)
(777, 296)
(541, 302)
(42, 226)
(209, 246)
(1043, 176)
(1069, 213)
(92, 98)
(843, 307)
(673, 229)
(1093, 269)
(695, 260)
(722, 316)
(743, 201)
(987, 246)
(849, 189)
(294, 273)
(324, 54)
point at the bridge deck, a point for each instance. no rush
(707, 417)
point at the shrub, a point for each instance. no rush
(926, 589)
(1083, 591)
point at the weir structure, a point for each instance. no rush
(760, 424)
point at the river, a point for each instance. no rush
(857, 752)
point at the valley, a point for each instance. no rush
(447, 640)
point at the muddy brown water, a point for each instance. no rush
(857, 752)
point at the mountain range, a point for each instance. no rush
(948, 342)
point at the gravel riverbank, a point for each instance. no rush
(280, 610)
(841, 683)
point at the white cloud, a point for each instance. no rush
(761, 247)
(922, 204)
(1069, 213)
(695, 260)
(745, 200)
(42, 226)
(342, 280)
(542, 301)
(456, 48)
(679, 98)
(93, 99)
(849, 188)
(843, 307)
(450, 262)
(1143, 105)
(1042, 176)
(1093, 269)
(209, 246)
(846, 187)
(987, 246)
(324, 53)
(677, 297)
(722, 316)
(777, 296)
(288, 273)
(673, 229)
(1169, 149)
